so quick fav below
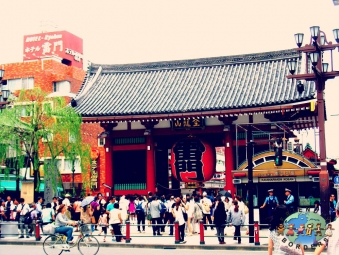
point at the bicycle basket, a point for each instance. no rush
(85, 229)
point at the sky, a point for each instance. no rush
(117, 32)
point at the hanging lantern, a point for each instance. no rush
(193, 160)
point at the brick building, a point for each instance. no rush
(58, 74)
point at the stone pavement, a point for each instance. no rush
(147, 240)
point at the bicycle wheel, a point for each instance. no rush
(53, 244)
(88, 245)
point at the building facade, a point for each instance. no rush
(52, 62)
(147, 109)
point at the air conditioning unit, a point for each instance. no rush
(236, 181)
(315, 179)
(289, 146)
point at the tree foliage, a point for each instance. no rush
(38, 129)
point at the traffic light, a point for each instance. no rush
(278, 152)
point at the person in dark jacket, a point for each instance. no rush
(220, 220)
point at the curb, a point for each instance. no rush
(158, 246)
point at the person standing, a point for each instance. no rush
(47, 214)
(169, 219)
(96, 213)
(235, 217)
(198, 214)
(101, 202)
(8, 208)
(154, 208)
(289, 202)
(190, 214)
(206, 210)
(66, 200)
(23, 209)
(317, 208)
(109, 208)
(140, 206)
(55, 204)
(103, 223)
(2, 215)
(111, 203)
(178, 209)
(333, 205)
(220, 220)
(115, 220)
(271, 202)
(77, 211)
(86, 216)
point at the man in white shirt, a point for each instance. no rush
(23, 209)
(66, 200)
(54, 204)
(206, 203)
(169, 216)
(38, 206)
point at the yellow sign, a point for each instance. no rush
(191, 123)
(191, 185)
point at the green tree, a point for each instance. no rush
(38, 129)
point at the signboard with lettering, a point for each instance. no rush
(61, 44)
(277, 179)
(94, 168)
(191, 123)
(193, 160)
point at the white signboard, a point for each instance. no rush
(277, 179)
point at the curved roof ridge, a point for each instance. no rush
(199, 62)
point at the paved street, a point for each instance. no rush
(146, 243)
(147, 238)
(37, 250)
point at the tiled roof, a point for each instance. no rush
(208, 84)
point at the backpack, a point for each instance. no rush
(27, 218)
(139, 209)
(163, 208)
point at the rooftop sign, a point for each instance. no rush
(61, 44)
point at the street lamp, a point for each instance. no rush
(314, 52)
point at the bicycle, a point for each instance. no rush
(86, 242)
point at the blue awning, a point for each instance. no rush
(11, 186)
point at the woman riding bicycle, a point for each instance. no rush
(61, 222)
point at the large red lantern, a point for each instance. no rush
(193, 160)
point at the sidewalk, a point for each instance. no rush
(147, 240)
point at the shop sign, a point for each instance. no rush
(191, 123)
(278, 179)
(77, 56)
(61, 44)
(94, 168)
(193, 160)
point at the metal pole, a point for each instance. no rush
(323, 175)
(250, 183)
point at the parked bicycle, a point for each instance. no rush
(87, 244)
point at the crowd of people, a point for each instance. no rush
(160, 212)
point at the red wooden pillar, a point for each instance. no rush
(150, 164)
(229, 161)
(109, 156)
(109, 164)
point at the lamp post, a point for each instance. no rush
(314, 52)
